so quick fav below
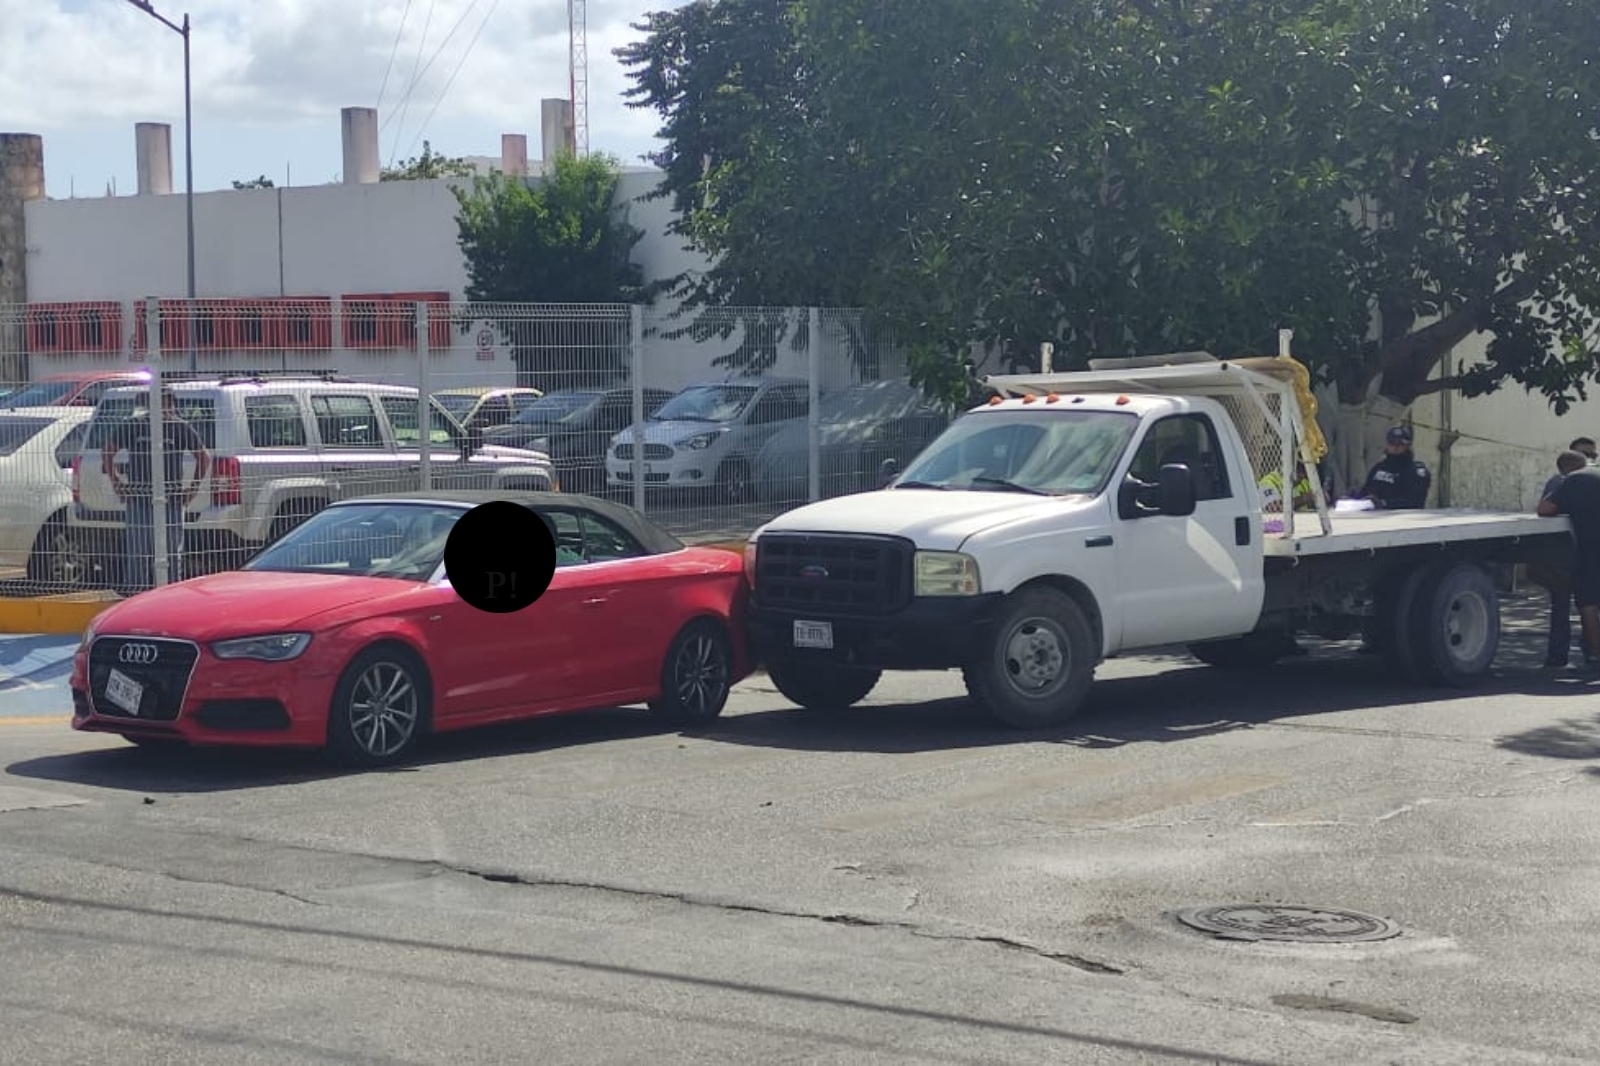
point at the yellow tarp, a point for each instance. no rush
(1295, 372)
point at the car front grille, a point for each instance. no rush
(859, 575)
(161, 667)
(651, 451)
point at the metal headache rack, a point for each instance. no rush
(245, 377)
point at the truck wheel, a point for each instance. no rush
(1455, 626)
(822, 686)
(1255, 651)
(1396, 627)
(1039, 664)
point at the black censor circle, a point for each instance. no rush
(500, 557)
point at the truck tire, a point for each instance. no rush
(1455, 626)
(1395, 625)
(822, 687)
(1254, 651)
(1039, 664)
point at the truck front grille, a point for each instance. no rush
(838, 573)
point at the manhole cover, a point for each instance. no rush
(1300, 925)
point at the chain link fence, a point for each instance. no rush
(709, 422)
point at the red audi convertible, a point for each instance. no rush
(346, 634)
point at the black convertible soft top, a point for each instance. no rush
(652, 537)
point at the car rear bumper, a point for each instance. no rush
(929, 634)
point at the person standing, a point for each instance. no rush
(1559, 649)
(136, 489)
(1578, 497)
(1398, 480)
(1586, 446)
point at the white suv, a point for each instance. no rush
(282, 448)
(707, 436)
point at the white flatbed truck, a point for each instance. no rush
(1080, 516)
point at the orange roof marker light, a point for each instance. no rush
(993, 400)
(1029, 398)
(1121, 400)
(1052, 398)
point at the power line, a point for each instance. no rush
(394, 50)
(405, 101)
(429, 65)
(451, 81)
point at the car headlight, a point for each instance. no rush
(272, 648)
(946, 574)
(697, 442)
(88, 633)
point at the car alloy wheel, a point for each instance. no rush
(697, 675)
(380, 709)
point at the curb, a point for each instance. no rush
(49, 616)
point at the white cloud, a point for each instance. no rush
(68, 64)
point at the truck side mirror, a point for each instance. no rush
(1177, 490)
(888, 470)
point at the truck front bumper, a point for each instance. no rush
(929, 634)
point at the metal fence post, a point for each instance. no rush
(637, 374)
(424, 404)
(158, 450)
(813, 403)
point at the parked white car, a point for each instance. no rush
(708, 435)
(37, 446)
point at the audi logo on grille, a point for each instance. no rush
(139, 653)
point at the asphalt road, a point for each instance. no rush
(902, 885)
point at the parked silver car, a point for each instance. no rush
(707, 436)
(37, 447)
(282, 448)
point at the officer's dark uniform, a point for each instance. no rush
(1398, 480)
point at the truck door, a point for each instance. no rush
(1194, 577)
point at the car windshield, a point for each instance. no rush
(870, 403)
(457, 403)
(41, 394)
(397, 540)
(1055, 453)
(558, 407)
(15, 432)
(706, 403)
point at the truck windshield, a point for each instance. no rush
(1056, 453)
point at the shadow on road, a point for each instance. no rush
(156, 771)
(1181, 703)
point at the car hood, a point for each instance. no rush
(931, 519)
(243, 603)
(672, 432)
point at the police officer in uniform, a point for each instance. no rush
(1399, 480)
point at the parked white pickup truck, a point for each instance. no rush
(1079, 516)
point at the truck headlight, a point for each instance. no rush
(273, 648)
(945, 574)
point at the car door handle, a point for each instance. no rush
(1098, 542)
(1241, 530)
(595, 601)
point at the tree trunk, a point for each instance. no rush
(1354, 431)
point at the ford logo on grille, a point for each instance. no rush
(139, 653)
(814, 572)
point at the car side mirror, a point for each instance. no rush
(888, 470)
(1177, 490)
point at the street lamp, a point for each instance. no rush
(188, 154)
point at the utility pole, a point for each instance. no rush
(188, 160)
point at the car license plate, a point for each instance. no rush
(124, 691)
(813, 634)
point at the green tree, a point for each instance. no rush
(429, 164)
(1388, 177)
(262, 182)
(559, 239)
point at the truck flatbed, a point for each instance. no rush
(1356, 531)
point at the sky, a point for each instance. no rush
(270, 76)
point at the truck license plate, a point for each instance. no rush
(813, 634)
(124, 691)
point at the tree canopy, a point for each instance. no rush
(429, 164)
(1386, 177)
(558, 239)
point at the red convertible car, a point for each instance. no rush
(346, 634)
